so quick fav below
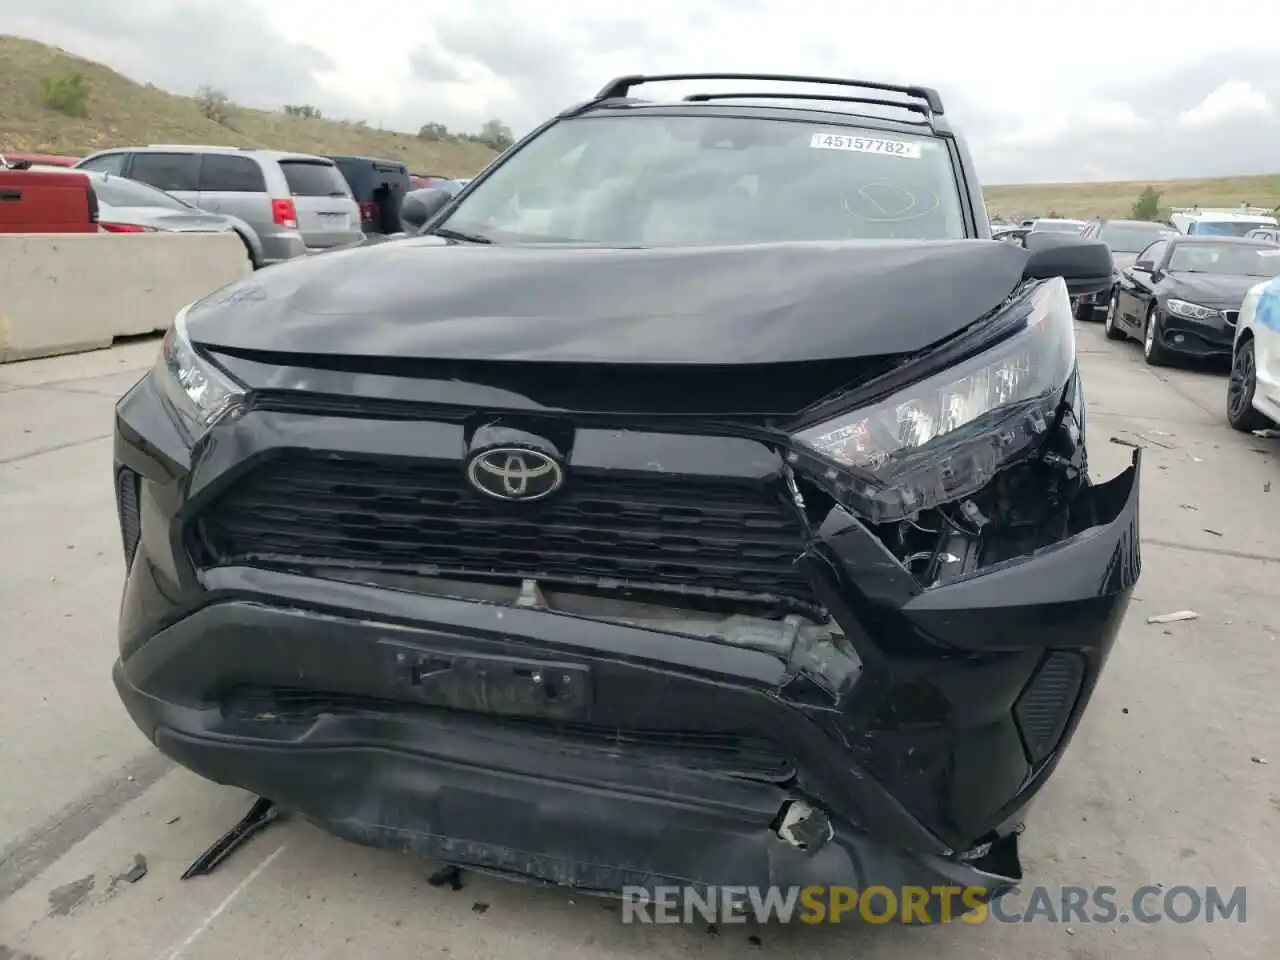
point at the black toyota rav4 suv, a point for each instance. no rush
(700, 498)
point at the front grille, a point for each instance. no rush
(722, 536)
(1231, 316)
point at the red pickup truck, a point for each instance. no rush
(44, 201)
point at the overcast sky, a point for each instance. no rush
(1090, 90)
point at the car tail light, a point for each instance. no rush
(126, 228)
(285, 214)
(368, 211)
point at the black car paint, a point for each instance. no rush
(679, 306)
(919, 731)
(1140, 290)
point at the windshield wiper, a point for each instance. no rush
(450, 234)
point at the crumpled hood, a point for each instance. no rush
(1123, 261)
(423, 298)
(1213, 289)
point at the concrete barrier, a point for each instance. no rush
(64, 293)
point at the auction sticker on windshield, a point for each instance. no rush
(890, 148)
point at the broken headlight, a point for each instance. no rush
(196, 392)
(945, 437)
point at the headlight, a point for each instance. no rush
(945, 437)
(1192, 311)
(196, 392)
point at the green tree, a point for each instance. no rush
(214, 104)
(1147, 206)
(302, 110)
(68, 93)
(496, 134)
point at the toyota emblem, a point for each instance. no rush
(514, 473)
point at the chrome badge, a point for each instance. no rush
(515, 473)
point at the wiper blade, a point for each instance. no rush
(450, 234)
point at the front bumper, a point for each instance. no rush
(920, 739)
(1212, 338)
(511, 798)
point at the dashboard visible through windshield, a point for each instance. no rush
(670, 180)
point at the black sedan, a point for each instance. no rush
(1182, 295)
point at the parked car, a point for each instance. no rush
(1011, 234)
(1221, 223)
(422, 181)
(127, 206)
(27, 160)
(628, 524)
(1269, 234)
(1125, 239)
(45, 200)
(1253, 390)
(379, 187)
(1047, 225)
(1182, 295)
(295, 203)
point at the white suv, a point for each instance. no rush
(1253, 391)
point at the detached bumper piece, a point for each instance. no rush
(261, 815)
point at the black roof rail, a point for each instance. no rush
(621, 86)
(919, 108)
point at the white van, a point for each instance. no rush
(1220, 223)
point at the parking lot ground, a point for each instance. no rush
(1165, 783)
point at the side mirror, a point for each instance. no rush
(1085, 265)
(420, 206)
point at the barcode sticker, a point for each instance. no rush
(890, 148)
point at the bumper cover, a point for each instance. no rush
(508, 805)
(1214, 337)
(921, 738)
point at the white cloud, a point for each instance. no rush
(1106, 115)
(1031, 85)
(1231, 101)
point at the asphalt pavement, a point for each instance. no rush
(1173, 778)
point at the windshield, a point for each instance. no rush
(1225, 228)
(1132, 237)
(1236, 259)
(119, 192)
(664, 180)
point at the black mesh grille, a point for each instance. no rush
(703, 535)
(127, 490)
(1043, 709)
(1231, 316)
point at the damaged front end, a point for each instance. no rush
(844, 647)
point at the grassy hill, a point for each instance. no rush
(120, 111)
(1085, 200)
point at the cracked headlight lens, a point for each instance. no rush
(196, 392)
(946, 436)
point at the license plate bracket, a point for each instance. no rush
(496, 685)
